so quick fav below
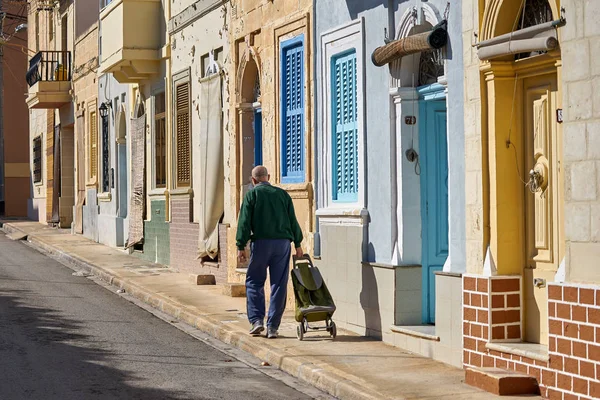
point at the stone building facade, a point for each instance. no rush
(390, 208)
(530, 296)
(271, 94)
(15, 185)
(199, 34)
(51, 130)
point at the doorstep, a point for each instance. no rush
(426, 332)
(350, 367)
(535, 351)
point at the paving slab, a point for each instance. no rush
(349, 367)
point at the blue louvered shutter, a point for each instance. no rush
(292, 121)
(345, 128)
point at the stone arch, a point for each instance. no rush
(248, 71)
(140, 107)
(406, 69)
(499, 17)
(121, 125)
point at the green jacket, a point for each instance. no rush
(267, 213)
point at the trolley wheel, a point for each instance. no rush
(300, 331)
(333, 330)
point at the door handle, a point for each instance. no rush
(539, 282)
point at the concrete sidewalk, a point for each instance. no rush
(351, 367)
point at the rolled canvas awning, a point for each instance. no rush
(542, 37)
(433, 39)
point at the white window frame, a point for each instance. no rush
(335, 42)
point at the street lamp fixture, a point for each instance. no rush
(103, 111)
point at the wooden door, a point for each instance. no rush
(543, 200)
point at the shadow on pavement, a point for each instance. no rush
(42, 356)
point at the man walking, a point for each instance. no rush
(267, 218)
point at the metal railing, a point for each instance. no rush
(49, 66)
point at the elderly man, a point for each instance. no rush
(267, 218)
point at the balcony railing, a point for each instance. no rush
(49, 66)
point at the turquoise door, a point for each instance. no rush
(434, 197)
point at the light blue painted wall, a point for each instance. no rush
(111, 227)
(378, 16)
(330, 14)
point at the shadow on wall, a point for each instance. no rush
(369, 301)
(355, 7)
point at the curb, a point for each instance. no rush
(298, 366)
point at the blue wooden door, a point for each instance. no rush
(258, 157)
(434, 198)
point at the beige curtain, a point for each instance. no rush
(136, 208)
(212, 173)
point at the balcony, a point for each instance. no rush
(131, 39)
(49, 79)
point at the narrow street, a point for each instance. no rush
(65, 337)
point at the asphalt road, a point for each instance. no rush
(65, 337)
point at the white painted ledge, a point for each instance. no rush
(343, 216)
(426, 332)
(534, 351)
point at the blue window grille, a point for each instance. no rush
(292, 110)
(344, 113)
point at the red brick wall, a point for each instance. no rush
(573, 368)
(184, 243)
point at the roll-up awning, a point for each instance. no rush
(433, 39)
(542, 37)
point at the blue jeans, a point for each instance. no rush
(274, 254)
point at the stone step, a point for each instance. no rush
(502, 382)
(196, 279)
(234, 289)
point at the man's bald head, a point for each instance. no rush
(260, 174)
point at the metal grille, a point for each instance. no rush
(49, 66)
(37, 159)
(183, 134)
(93, 145)
(534, 13)
(431, 67)
(105, 156)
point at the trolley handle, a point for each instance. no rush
(304, 259)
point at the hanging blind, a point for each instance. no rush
(345, 128)
(542, 37)
(182, 102)
(293, 113)
(434, 39)
(93, 145)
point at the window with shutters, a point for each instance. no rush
(344, 127)
(160, 142)
(182, 134)
(341, 150)
(93, 146)
(37, 159)
(292, 110)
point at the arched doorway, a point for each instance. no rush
(250, 124)
(421, 158)
(526, 198)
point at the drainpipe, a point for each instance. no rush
(317, 235)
